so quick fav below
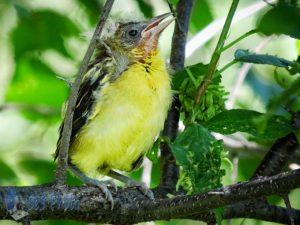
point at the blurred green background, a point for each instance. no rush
(40, 40)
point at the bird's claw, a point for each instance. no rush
(107, 193)
(142, 187)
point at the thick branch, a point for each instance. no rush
(61, 169)
(276, 158)
(261, 211)
(87, 203)
(169, 170)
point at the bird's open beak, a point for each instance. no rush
(156, 25)
(151, 32)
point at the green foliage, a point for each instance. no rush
(92, 9)
(245, 56)
(201, 16)
(42, 170)
(7, 174)
(200, 156)
(35, 85)
(152, 154)
(173, 2)
(284, 18)
(42, 30)
(186, 83)
(146, 8)
(231, 121)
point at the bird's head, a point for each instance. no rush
(137, 40)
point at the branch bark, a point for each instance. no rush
(278, 155)
(88, 203)
(169, 169)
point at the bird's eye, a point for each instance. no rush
(133, 33)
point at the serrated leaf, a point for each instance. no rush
(241, 120)
(41, 30)
(192, 143)
(199, 155)
(246, 56)
(196, 69)
(284, 18)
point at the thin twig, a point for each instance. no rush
(61, 169)
(216, 55)
(289, 208)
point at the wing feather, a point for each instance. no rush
(92, 82)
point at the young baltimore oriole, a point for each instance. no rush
(122, 104)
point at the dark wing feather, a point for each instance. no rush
(86, 98)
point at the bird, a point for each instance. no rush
(122, 103)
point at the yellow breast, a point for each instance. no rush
(128, 116)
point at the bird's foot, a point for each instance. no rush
(141, 186)
(97, 183)
(103, 185)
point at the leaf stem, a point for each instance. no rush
(238, 39)
(226, 67)
(216, 55)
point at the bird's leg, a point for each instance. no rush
(141, 186)
(94, 182)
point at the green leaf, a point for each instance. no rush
(231, 121)
(41, 30)
(247, 165)
(199, 155)
(201, 16)
(246, 56)
(219, 212)
(173, 2)
(146, 8)
(284, 18)
(41, 169)
(6, 172)
(35, 84)
(186, 83)
(153, 153)
(197, 69)
(92, 9)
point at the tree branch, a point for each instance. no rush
(169, 169)
(261, 211)
(88, 203)
(278, 155)
(61, 169)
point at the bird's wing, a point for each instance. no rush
(99, 72)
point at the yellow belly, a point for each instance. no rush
(127, 118)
